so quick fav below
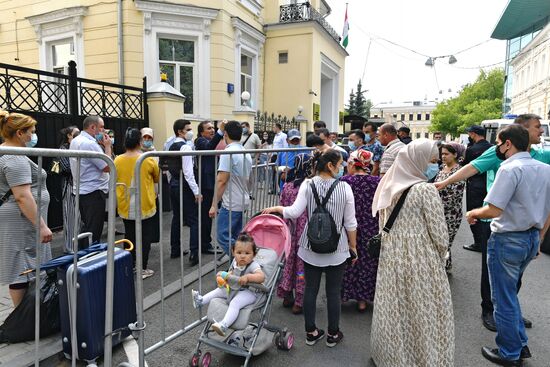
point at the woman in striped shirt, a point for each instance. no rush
(341, 206)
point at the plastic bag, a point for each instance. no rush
(19, 325)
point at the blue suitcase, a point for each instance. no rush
(90, 320)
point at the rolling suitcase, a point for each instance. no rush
(90, 293)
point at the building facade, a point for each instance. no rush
(415, 115)
(282, 53)
(518, 36)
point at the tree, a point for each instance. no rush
(476, 102)
(358, 105)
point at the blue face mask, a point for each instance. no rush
(352, 146)
(340, 173)
(99, 137)
(147, 144)
(32, 142)
(431, 171)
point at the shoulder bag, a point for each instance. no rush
(374, 244)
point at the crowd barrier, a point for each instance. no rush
(264, 192)
(40, 154)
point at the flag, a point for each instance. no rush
(346, 30)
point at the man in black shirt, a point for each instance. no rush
(476, 186)
(403, 134)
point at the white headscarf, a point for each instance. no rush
(407, 170)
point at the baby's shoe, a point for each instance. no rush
(219, 328)
(197, 298)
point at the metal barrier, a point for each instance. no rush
(111, 205)
(263, 189)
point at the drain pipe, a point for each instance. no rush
(120, 44)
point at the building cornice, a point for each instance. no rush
(176, 9)
(254, 6)
(58, 21)
(246, 28)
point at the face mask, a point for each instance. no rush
(112, 141)
(99, 137)
(189, 135)
(340, 173)
(245, 131)
(500, 155)
(32, 142)
(352, 146)
(431, 171)
(470, 140)
(368, 138)
(147, 144)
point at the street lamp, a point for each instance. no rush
(431, 60)
(245, 96)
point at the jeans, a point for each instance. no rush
(190, 215)
(224, 239)
(486, 303)
(333, 286)
(508, 254)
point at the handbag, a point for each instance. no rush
(375, 243)
(56, 167)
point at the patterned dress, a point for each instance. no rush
(360, 279)
(413, 323)
(293, 273)
(452, 202)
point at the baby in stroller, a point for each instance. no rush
(244, 270)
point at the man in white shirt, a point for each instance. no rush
(191, 193)
(232, 188)
(279, 141)
(387, 135)
(325, 135)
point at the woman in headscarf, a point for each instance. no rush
(360, 279)
(451, 195)
(293, 274)
(413, 314)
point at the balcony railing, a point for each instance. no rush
(303, 12)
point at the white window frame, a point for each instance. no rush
(164, 20)
(248, 41)
(56, 26)
(331, 70)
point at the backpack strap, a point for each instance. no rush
(315, 194)
(329, 192)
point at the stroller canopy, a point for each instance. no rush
(270, 231)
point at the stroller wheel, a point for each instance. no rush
(194, 360)
(284, 340)
(205, 360)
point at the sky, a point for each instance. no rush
(429, 27)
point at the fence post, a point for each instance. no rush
(73, 93)
(145, 106)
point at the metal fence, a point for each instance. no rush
(264, 190)
(40, 154)
(266, 122)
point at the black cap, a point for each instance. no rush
(476, 129)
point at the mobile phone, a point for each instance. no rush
(352, 256)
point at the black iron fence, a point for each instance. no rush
(266, 122)
(57, 100)
(303, 12)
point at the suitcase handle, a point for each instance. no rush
(128, 242)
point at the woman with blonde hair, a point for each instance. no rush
(18, 196)
(412, 324)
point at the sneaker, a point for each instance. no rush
(146, 273)
(313, 339)
(219, 328)
(197, 298)
(332, 340)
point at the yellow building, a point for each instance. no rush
(283, 53)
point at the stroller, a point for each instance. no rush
(247, 339)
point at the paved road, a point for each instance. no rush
(355, 349)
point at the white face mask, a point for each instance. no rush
(189, 135)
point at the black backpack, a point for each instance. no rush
(321, 229)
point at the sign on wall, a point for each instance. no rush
(316, 111)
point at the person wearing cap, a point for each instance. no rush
(475, 185)
(489, 163)
(147, 137)
(285, 160)
(403, 134)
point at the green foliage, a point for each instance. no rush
(479, 101)
(358, 105)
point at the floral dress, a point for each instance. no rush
(360, 279)
(293, 273)
(452, 202)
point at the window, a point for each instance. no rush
(410, 116)
(426, 135)
(542, 65)
(418, 135)
(418, 116)
(402, 117)
(536, 72)
(283, 57)
(246, 74)
(177, 61)
(61, 53)
(427, 117)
